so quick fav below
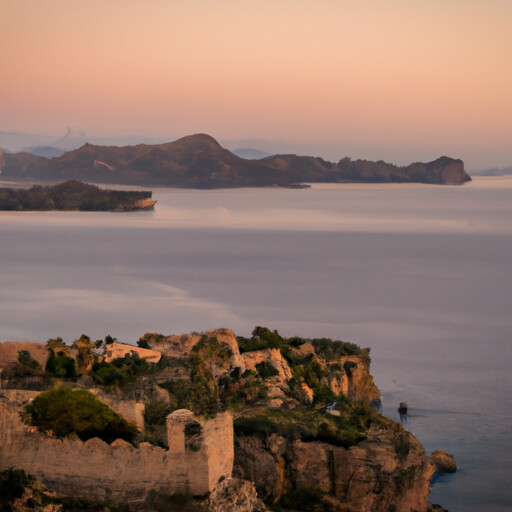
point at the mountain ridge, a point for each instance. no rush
(199, 161)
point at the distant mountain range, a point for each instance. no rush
(251, 153)
(198, 161)
(494, 171)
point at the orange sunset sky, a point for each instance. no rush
(400, 80)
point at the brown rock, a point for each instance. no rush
(9, 352)
(444, 462)
(235, 495)
(367, 477)
(254, 462)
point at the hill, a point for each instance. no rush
(198, 161)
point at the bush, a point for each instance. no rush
(12, 485)
(331, 350)
(61, 365)
(266, 370)
(120, 371)
(27, 365)
(65, 411)
(200, 393)
(261, 339)
(240, 390)
(345, 430)
(156, 411)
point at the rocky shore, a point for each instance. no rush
(258, 423)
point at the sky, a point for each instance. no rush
(400, 80)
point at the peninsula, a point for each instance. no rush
(204, 422)
(74, 195)
(198, 161)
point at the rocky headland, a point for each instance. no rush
(74, 196)
(219, 421)
(198, 161)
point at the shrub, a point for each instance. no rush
(402, 445)
(200, 393)
(12, 485)
(266, 370)
(331, 350)
(239, 390)
(261, 339)
(156, 411)
(61, 365)
(27, 365)
(84, 353)
(142, 343)
(345, 430)
(120, 371)
(65, 411)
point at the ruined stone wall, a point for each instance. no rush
(119, 471)
(130, 410)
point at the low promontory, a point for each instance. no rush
(74, 195)
(209, 419)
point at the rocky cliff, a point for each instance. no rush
(387, 471)
(302, 430)
(198, 161)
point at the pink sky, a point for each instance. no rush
(400, 80)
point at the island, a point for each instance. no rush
(199, 161)
(74, 195)
(204, 422)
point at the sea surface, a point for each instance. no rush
(421, 274)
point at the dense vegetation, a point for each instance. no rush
(327, 349)
(66, 412)
(119, 372)
(347, 429)
(16, 484)
(70, 195)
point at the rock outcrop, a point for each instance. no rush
(443, 462)
(235, 495)
(378, 474)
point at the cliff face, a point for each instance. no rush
(198, 161)
(292, 431)
(349, 375)
(387, 471)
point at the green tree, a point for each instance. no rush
(65, 411)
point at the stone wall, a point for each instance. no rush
(119, 471)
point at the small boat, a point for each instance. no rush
(402, 408)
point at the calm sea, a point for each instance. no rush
(422, 274)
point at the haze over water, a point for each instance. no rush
(421, 274)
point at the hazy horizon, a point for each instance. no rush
(399, 81)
